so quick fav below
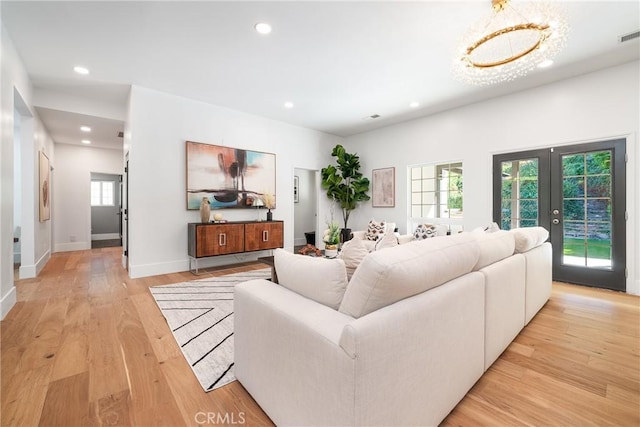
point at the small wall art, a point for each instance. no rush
(296, 189)
(384, 188)
(229, 177)
(44, 188)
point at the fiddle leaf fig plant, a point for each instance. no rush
(344, 182)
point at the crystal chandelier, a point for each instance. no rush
(510, 42)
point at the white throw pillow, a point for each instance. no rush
(375, 229)
(353, 252)
(385, 277)
(529, 237)
(389, 240)
(322, 280)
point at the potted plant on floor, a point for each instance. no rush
(345, 184)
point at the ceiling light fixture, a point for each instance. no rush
(414, 104)
(85, 128)
(510, 42)
(81, 70)
(288, 104)
(262, 28)
(86, 141)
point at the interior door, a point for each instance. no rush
(576, 192)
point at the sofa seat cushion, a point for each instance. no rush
(385, 277)
(528, 238)
(320, 279)
(494, 246)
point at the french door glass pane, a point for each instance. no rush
(519, 194)
(587, 215)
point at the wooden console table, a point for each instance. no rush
(214, 239)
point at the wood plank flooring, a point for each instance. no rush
(86, 345)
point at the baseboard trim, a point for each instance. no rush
(7, 302)
(73, 246)
(42, 262)
(155, 269)
(105, 236)
(27, 271)
(299, 241)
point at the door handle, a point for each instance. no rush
(265, 236)
(555, 221)
(222, 239)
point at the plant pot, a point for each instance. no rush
(345, 234)
(330, 251)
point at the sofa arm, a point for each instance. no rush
(288, 357)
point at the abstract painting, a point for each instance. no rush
(44, 188)
(384, 188)
(229, 177)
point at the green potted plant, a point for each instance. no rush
(331, 239)
(345, 184)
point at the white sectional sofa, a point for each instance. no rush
(416, 327)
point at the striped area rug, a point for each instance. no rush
(200, 315)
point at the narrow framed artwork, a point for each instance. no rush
(228, 177)
(296, 189)
(384, 188)
(44, 189)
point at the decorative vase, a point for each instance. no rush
(330, 251)
(205, 210)
(269, 215)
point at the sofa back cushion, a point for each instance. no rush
(528, 238)
(320, 279)
(353, 252)
(494, 246)
(397, 273)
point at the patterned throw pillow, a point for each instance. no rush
(424, 231)
(375, 229)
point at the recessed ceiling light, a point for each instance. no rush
(288, 104)
(546, 63)
(81, 70)
(86, 141)
(414, 104)
(85, 128)
(262, 28)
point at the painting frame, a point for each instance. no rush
(44, 187)
(383, 188)
(296, 189)
(231, 178)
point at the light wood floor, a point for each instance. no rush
(85, 345)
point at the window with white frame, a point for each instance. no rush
(102, 193)
(436, 193)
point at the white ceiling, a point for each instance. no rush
(338, 62)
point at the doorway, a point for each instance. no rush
(305, 207)
(106, 201)
(578, 193)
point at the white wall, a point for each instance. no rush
(16, 92)
(72, 186)
(159, 126)
(591, 107)
(305, 219)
